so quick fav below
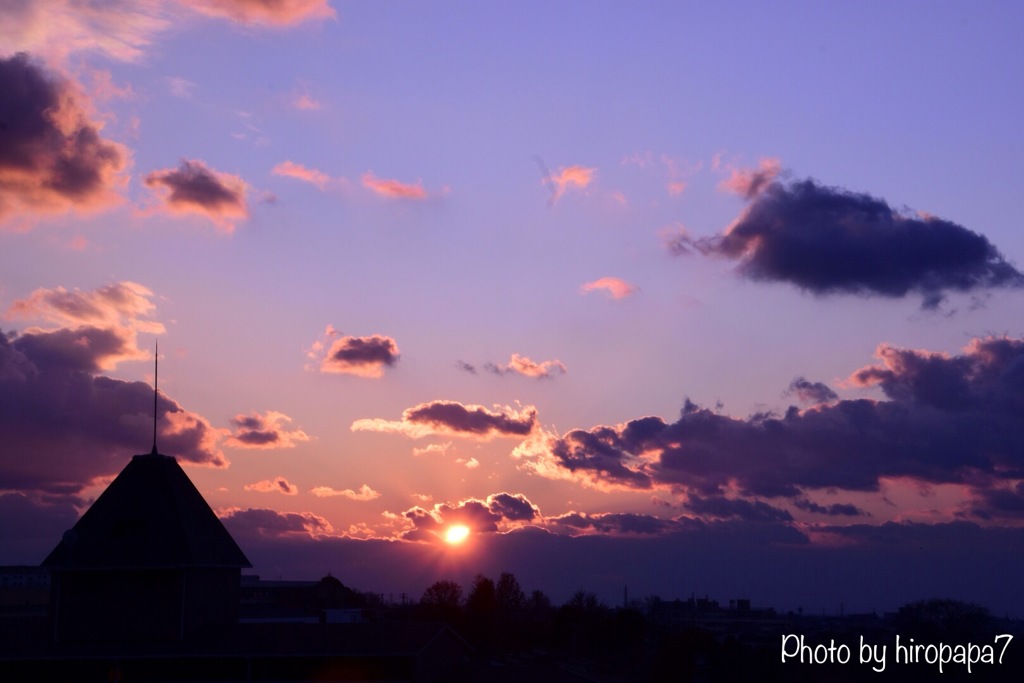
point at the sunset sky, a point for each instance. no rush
(721, 298)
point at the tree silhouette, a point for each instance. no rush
(510, 596)
(442, 600)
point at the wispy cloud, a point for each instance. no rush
(617, 288)
(275, 485)
(750, 182)
(290, 169)
(180, 87)
(119, 29)
(363, 494)
(569, 178)
(268, 12)
(521, 365)
(393, 189)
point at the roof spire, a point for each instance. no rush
(156, 375)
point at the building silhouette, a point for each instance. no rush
(148, 562)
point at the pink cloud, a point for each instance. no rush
(193, 187)
(58, 28)
(521, 365)
(616, 287)
(52, 157)
(275, 485)
(305, 102)
(393, 189)
(748, 183)
(95, 329)
(120, 304)
(429, 449)
(264, 431)
(290, 169)
(569, 177)
(271, 12)
(363, 494)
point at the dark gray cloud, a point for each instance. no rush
(720, 507)
(193, 187)
(602, 453)
(948, 419)
(263, 523)
(52, 157)
(61, 425)
(833, 510)
(999, 503)
(811, 392)
(472, 419)
(364, 356)
(451, 417)
(613, 523)
(827, 240)
(84, 349)
(264, 431)
(512, 506)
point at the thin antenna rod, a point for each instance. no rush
(156, 376)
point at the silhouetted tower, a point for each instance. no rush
(148, 561)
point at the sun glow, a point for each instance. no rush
(456, 533)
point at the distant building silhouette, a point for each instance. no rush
(149, 561)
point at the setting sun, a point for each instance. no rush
(456, 533)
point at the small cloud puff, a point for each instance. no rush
(264, 431)
(568, 178)
(193, 187)
(361, 356)
(617, 288)
(811, 392)
(521, 365)
(290, 169)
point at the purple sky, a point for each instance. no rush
(720, 299)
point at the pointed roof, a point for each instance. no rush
(151, 516)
